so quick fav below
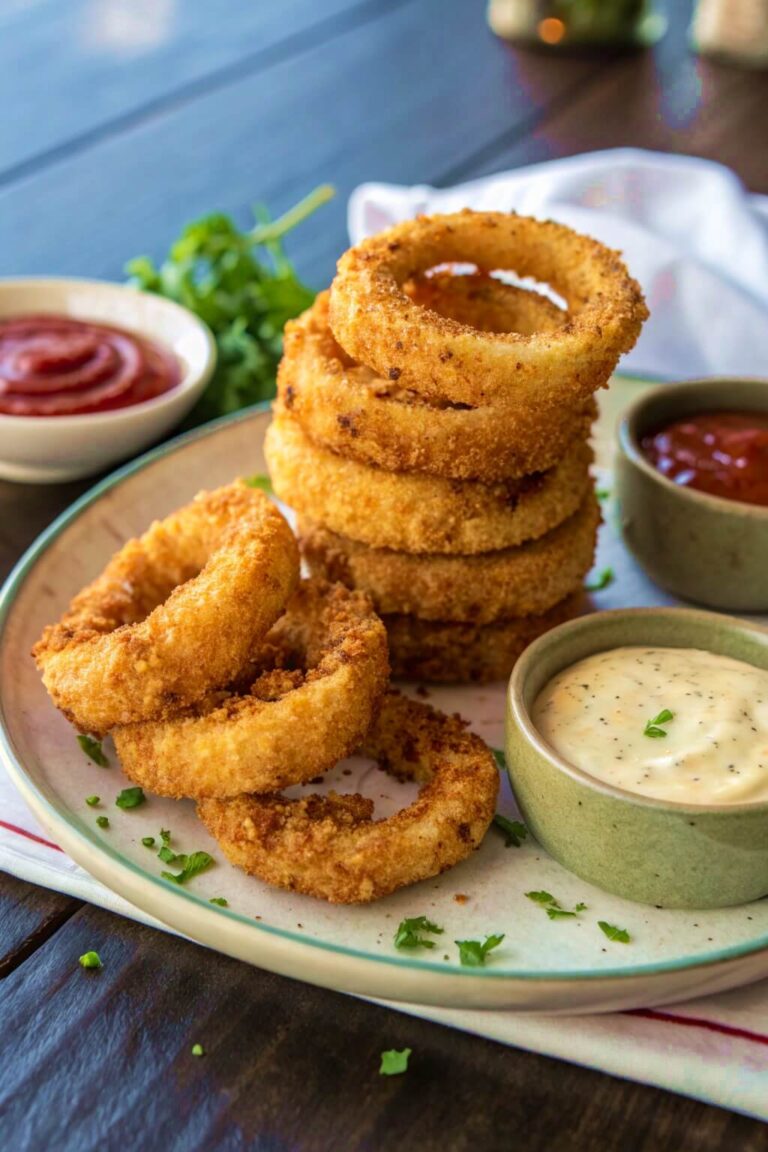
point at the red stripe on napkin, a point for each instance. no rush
(29, 835)
(697, 1022)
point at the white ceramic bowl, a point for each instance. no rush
(45, 449)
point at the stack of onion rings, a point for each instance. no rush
(305, 703)
(331, 847)
(174, 614)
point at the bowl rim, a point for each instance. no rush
(629, 442)
(196, 374)
(526, 725)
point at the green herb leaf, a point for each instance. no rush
(168, 856)
(193, 865)
(102, 821)
(558, 913)
(262, 482)
(620, 935)
(90, 960)
(663, 717)
(472, 953)
(542, 898)
(198, 1050)
(148, 841)
(602, 580)
(165, 836)
(581, 907)
(93, 750)
(394, 1063)
(241, 284)
(500, 758)
(603, 493)
(130, 798)
(92, 801)
(651, 728)
(220, 901)
(408, 933)
(513, 830)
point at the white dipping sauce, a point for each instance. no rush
(715, 751)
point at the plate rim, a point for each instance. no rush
(53, 815)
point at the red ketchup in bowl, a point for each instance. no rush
(722, 453)
(58, 366)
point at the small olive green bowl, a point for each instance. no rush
(700, 547)
(654, 851)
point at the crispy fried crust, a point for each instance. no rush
(331, 847)
(450, 653)
(417, 513)
(347, 408)
(523, 581)
(305, 704)
(175, 613)
(376, 322)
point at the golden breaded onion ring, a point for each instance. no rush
(377, 323)
(522, 581)
(304, 704)
(347, 408)
(332, 848)
(418, 513)
(445, 652)
(175, 613)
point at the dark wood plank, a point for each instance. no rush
(103, 1059)
(366, 106)
(79, 70)
(25, 510)
(29, 916)
(669, 100)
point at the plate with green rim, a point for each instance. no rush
(542, 965)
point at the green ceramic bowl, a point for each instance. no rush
(702, 548)
(653, 851)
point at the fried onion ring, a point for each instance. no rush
(523, 581)
(305, 703)
(377, 323)
(417, 513)
(331, 847)
(175, 613)
(347, 408)
(450, 653)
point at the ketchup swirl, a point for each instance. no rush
(60, 366)
(722, 453)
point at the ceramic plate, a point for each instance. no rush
(542, 965)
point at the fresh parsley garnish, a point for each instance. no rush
(93, 749)
(394, 1063)
(652, 728)
(192, 866)
(408, 934)
(92, 801)
(261, 481)
(552, 906)
(220, 901)
(472, 953)
(543, 898)
(130, 798)
(90, 960)
(581, 907)
(556, 913)
(198, 1050)
(165, 836)
(603, 579)
(102, 821)
(148, 841)
(619, 935)
(514, 831)
(603, 493)
(244, 288)
(500, 758)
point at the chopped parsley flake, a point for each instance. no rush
(394, 1063)
(93, 750)
(652, 728)
(543, 898)
(102, 821)
(500, 758)
(148, 841)
(130, 798)
(408, 933)
(472, 953)
(198, 1050)
(514, 831)
(192, 866)
(557, 913)
(165, 836)
(603, 493)
(92, 801)
(552, 906)
(220, 901)
(603, 579)
(581, 907)
(619, 935)
(262, 481)
(90, 960)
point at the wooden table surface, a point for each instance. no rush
(122, 120)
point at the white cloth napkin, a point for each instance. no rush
(690, 233)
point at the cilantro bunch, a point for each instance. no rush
(245, 289)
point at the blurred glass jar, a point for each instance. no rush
(577, 23)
